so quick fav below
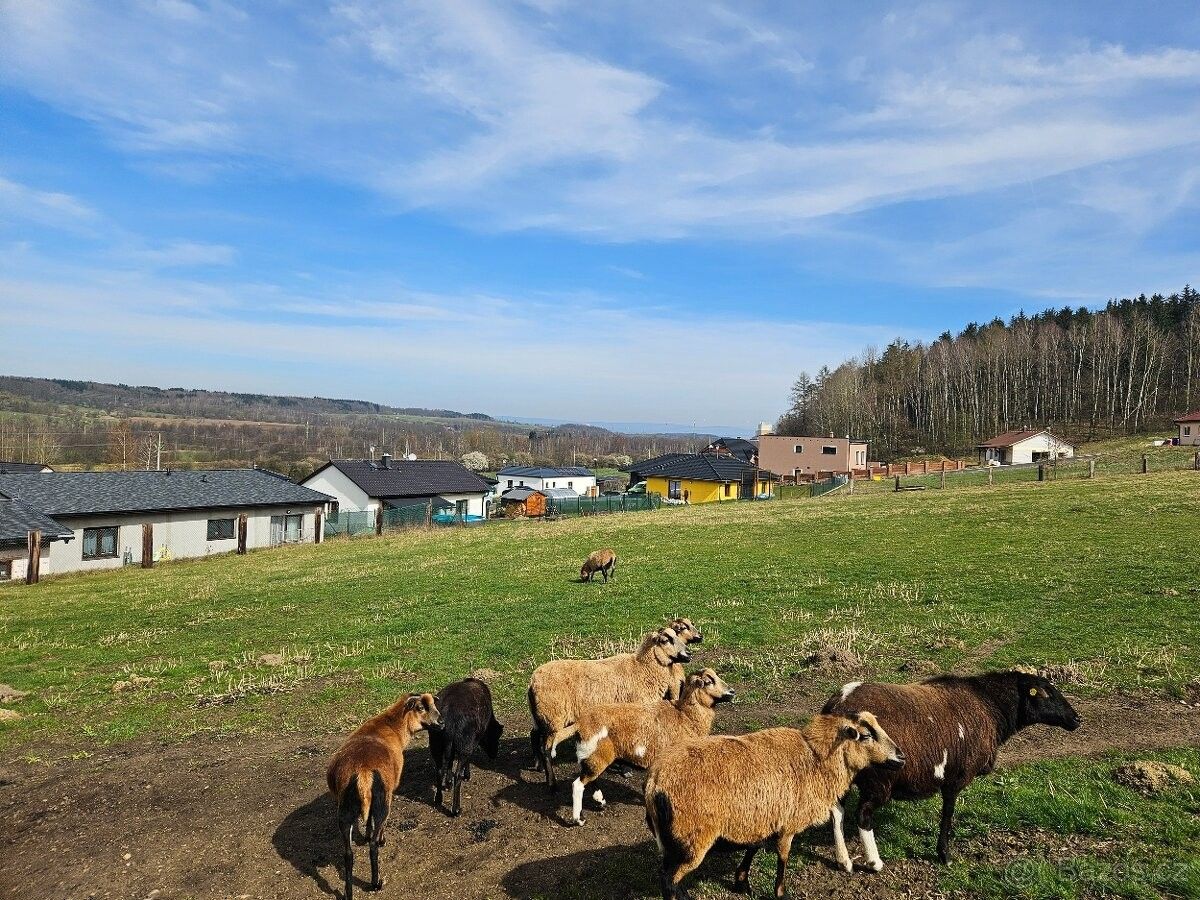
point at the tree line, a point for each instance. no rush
(1129, 367)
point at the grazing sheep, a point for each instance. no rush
(467, 721)
(766, 785)
(602, 561)
(365, 772)
(951, 729)
(561, 689)
(638, 732)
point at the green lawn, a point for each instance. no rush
(1102, 574)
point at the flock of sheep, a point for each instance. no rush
(642, 708)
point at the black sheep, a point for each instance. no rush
(467, 721)
(950, 730)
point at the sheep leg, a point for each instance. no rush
(348, 858)
(549, 746)
(783, 847)
(591, 767)
(376, 883)
(946, 829)
(869, 800)
(741, 878)
(676, 866)
(457, 775)
(535, 744)
(836, 818)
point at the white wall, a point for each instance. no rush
(474, 502)
(178, 535)
(1022, 451)
(1189, 433)
(20, 560)
(350, 496)
(577, 483)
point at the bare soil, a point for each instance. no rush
(244, 817)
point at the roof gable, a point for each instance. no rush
(409, 477)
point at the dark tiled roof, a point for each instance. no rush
(410, 477)
(739, 447)
(1008, 438)
(16, 468)
(85, 493)
(17, 520)
(696, 467)
(1186, 417)
(517, 494)
(545, 472)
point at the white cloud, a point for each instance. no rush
(20, 203)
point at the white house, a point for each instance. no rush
(575, 478)
(1189, 429)
(363, 485)
(1023, 446)
(126, 518)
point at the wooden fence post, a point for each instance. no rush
(1091, 468)
(898, 483)
(943, 478)
(242, 529)
(318, 528)
(33, 569)
(990, 470)
(379, 519)
(1041, 471)
(147, 546)
(1145, 463)
(429, 514)
(1197, 462)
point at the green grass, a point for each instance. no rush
(1099, 574)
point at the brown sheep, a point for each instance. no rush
(602, 561)
(561, 689)
(365, 772)
(638, 733)
(746, 790)
(951, 729)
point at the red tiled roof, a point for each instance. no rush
(1189, 417)
(1008, 438)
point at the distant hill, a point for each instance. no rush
(91, 424)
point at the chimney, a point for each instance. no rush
(386, 460)
(764, 428)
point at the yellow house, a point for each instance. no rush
(703, 478)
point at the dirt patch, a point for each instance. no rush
(239, 816)
(1149, 777)
(9, 694)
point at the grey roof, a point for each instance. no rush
(17, 520)
(86, 493)
(517, 494)
(409, 477)
(739, 447)
(696, 467)
(545, 471)
(14, 468)
(560, 493)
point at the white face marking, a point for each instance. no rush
(939, 771)
(850, 688)
(588, 747)
(962, 732)
(639, 751)
(870, 849)
(577, 801)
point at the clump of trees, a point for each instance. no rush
(1129, 367)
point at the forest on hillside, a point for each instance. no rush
(1129, 367)
(89, 424)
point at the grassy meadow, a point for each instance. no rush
(1097, 578)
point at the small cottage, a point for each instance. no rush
(1012, 448)
(702, 478)
(1189, 429)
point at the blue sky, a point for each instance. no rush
(587, 211)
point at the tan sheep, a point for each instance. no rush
(602, 561)
(563, 688)
(770, 784)
(365, 771)
(638, 733)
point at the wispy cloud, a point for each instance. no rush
(21, 203)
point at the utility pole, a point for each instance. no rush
(158, 458)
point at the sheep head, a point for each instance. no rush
(1040, 703)
(687, 629)
(867, 744)
(424, 711)
(667, 647)
(707, 688)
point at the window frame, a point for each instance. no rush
(6, 567)
(221, 537)
(728, 489)
(799, 448)
(116, 543)
(675, 488)
(829, 450)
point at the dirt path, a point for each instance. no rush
(234, 817)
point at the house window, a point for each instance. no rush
(287, 529)
(675, 489)
(5, 569)
(799, 448)
(220, 529)
(100, 543)
(510, 482)
(1187, 429)
(728, 488)
(570, 484)
(828, 451)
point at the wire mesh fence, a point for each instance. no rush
(595, 506)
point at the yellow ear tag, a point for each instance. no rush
(1033, 692)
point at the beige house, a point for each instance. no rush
(1023, 446)
(1189, 429)
(809, 457)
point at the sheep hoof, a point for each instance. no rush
(741, 886)
(875, 865)
(578, 822)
